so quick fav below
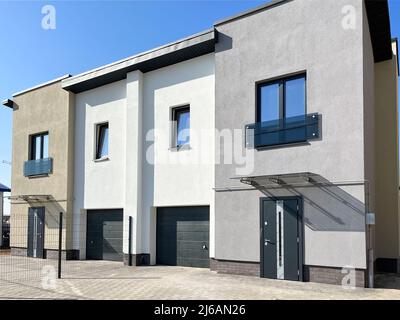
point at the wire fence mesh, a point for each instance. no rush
(41, 251)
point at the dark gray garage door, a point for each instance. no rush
(183, 236)
(104, 235)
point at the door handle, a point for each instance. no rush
(267, 242)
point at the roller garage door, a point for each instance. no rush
(183, 236)
(104, 235)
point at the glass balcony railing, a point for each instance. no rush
(283, 131)
(38, 167)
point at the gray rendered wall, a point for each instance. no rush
(301, 35)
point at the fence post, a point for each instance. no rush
(60, 225)
(130, 243)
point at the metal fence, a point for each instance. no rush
(37, 259)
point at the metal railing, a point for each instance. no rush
(38, 167)
(283, 131)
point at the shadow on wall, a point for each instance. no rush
(52, 212)
(326, 207)
(110, 93)
(224, 43)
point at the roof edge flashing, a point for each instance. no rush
(44, 84)
(266, 6)
(120, 65)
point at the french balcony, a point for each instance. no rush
(300, 129)
(38, 167)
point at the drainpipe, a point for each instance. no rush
(370, 250)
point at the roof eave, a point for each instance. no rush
(8, 103)
(379, 26)
(4, 188)
(42, 85)
(175, 52)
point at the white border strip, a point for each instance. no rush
(42, 85)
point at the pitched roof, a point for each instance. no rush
(3, 188)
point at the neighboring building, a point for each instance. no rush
(3, 189)
(42, 171)
(6, 232)
(137, 153)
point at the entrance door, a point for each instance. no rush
(36, 232)
(281, 240)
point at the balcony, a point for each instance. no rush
(283, 131)
(39, 167)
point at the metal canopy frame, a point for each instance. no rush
(292, 180)
(31, 198)
(280, 180)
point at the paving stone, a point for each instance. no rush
(27, 278)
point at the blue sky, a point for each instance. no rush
(89, 34)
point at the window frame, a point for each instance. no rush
(32, 145)
(175, 111)
(98, 127)
(282, 94)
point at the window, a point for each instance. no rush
(39, 146)
(282, 99)
(181, 127)
(101, 141)
(282, 117)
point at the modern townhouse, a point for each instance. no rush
(260, 147)
(42, 170)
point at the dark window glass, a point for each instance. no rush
(102, 141)
(39, 146)
(295, 98)
(181, 121)
(269, 101)
(282, 99)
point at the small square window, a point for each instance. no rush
(101, 141)
(180, 127)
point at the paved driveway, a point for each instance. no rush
(24, 278)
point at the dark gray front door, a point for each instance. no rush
(281, 240)
(104, 235)
(36, 232)
(183, 236)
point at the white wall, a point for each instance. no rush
(98, 185)
(104, 181)
(183, 178)
(130, 180)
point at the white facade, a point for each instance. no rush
(139, 176)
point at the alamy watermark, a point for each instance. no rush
(49, 18)
(206, 146)
(349, 280)
(349, 20)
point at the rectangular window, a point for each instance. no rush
(282, 99)
(39, 146)
(101, 141)
(181, 126)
